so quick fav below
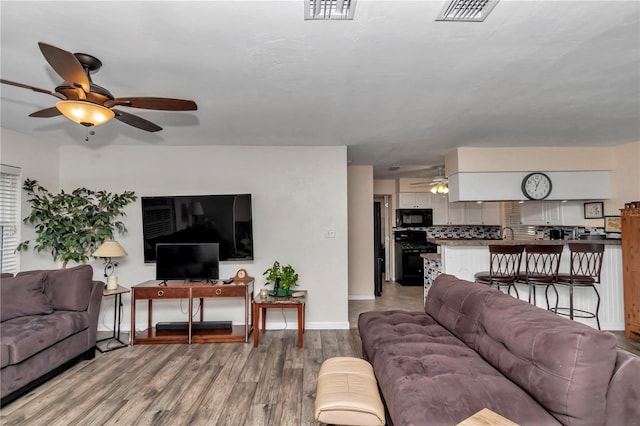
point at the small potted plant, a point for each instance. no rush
(282, 277)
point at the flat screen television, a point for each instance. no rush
(222, 219)
(187, 261)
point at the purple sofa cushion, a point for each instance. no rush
(456, 307)
(20, 296)
(444, 382)
(23, 337)
(563, 364)
(67, 289)
(393, 327)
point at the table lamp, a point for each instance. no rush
(109, 250)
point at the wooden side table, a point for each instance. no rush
(117, 319)
(261, 304)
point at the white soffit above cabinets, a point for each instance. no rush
(506, 186)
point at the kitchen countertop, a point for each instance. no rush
(477, 242)
(434, 257)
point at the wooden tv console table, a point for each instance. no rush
(153, 290)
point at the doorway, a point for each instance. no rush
(381, 240)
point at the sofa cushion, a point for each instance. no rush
(393, 327)
(20, 296)
(68, 289)
(564, 364)
(25, 336)
(443, 381)
(456, 307)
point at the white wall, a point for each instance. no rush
(297, 193)
(361, 250)
(37, 160)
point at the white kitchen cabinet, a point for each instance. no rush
(440, 206)
(414, 200)
(456, 213)
(492, 213)
(473, 213)
(551, 213)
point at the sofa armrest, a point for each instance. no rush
(624, 390)
(95, 301)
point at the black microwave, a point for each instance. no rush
(414, 218)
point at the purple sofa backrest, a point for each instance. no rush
(455, 307)
(566, 366)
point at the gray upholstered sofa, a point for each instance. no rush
(49, 320)
(475, 347)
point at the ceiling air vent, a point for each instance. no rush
(466, 10)
(329, 9)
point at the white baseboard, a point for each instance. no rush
(362, 297)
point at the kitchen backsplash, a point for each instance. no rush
(494, 232)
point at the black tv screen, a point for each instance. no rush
(222, 219)
(187, 261)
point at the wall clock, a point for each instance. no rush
(536, 186)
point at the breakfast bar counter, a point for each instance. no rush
(468, 242)
(464, 257)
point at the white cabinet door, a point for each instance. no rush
(423, 200)
(472, 213)
(533, 213)
(573, 213)
(440, 206)
(456, 214)
(551, 213)
(492, 213)
(414, 200)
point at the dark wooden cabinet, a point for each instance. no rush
(153, 291)
(631, 270)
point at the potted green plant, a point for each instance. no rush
(71, 225)
(282, 277)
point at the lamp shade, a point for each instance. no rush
(110, 249)
(85, 113)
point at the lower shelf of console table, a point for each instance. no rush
(152, 291)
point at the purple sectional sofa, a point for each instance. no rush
(49, 321)
(475, 347)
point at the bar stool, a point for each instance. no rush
(541, 267)
(584, 272)
(504, 264)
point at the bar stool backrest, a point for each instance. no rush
(586, 260)
(505, 260)
(542, 260)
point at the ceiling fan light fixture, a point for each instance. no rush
(86, 113)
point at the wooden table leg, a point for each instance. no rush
(263, 311)
(300, 325)
(256, 332)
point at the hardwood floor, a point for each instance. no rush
(206, 384)
(201, 384)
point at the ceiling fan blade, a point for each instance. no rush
(35, 89)
(163, 104)
(66, 65)
(135, 121)
(46, 113)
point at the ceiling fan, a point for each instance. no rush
(86, 103)
(439, 183)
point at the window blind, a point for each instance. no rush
(9, 217)
(512, 219)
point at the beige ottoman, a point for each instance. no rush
(347, 393)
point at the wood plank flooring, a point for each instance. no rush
(202, 384)
(206, 384)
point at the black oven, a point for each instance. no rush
(410, 244)
(414, 218)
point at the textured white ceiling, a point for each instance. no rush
(393, 85)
